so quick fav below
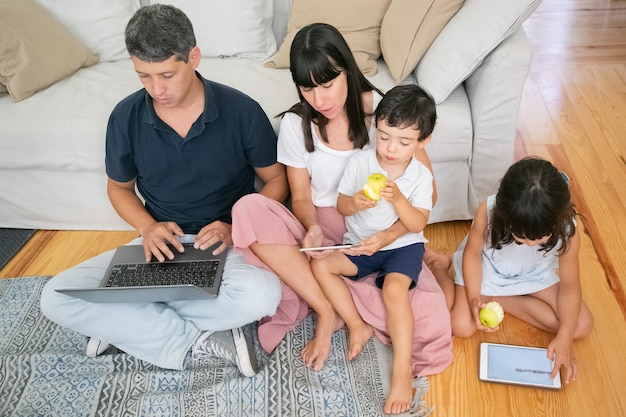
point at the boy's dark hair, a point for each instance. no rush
(319, 53)
(159, 31)
(406, 106)
(533, 201)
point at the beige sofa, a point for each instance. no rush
(52, 140)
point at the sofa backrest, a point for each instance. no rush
(282, 12)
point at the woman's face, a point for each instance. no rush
(329, 98)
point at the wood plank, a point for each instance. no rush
(598, 391)
(50, 252)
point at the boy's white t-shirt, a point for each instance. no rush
(416, 184)
(325, 165)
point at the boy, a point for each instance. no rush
(405, 119)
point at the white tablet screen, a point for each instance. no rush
(518, 364)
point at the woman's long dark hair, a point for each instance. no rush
(533, 201)
(319, 54)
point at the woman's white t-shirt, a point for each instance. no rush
(325, 165)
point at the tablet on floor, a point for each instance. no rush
(518, 365)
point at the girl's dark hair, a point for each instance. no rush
(319, 54)
(533, 201)
(407, 106)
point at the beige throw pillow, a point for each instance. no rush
(408, 28)
(35, 50)
(357, 20)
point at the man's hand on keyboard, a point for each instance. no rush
(156, 237)
(213, 233)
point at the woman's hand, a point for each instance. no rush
(314, 238)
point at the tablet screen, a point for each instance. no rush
(518, 364)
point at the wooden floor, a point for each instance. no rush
(574, 114)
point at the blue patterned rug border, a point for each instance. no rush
(44, 372)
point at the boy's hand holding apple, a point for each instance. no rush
(375, 182)
(362, 202)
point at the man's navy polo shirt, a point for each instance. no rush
(195, 180)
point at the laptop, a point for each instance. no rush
(192, 275)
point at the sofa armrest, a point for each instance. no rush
(494, 91)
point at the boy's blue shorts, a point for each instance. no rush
(406, 260)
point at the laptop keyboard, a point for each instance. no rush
(199, 273)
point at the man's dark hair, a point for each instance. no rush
(159, 31)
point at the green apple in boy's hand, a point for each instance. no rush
(372, 188)
(491, 314)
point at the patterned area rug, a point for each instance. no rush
(44, 372)
(11, 241)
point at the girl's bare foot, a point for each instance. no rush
(316, 351)
(400, 395)
(358, 337)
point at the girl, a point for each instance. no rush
(522, 251)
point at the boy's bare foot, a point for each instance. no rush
(400, 395)
(316, 351)
(436, 260)
(358, 337)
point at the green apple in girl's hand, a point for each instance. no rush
(372, 188)
(491, 314)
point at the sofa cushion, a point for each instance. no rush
(35, 49)
(466, 40)
(99, 24)
(408, 29)
(230, 28)
(361, 30)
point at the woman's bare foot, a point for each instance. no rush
(436, 260)
(439, 264)
(316, 351)
(400, 395)
(358, 337)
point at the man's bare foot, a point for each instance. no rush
(400, 395)
(358, 337)
(436, 260)
(316, 351)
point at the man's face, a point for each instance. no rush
(168, 82)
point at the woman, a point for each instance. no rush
(317, 136)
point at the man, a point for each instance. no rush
(191, 147)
